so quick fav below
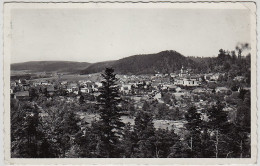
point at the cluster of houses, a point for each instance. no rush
(21, 89)
(128, 84)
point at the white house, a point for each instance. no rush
(85, 90)
(99, 84)
(69, 89)
(222, 89)
(44, 83)
(126, 88)
(239, 78)
(186, 82)
(158, 96)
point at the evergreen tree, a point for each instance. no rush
(26, 131)
(240, 130)
(87, 141)
(164, 140)
(194, 124)
(17, 130)
(127, 141)
(218, 124)
(60, 128)
(110, 114)
(144, 133)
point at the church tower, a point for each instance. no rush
(182, 71)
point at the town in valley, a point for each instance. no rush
(189, 111)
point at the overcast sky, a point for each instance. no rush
(93, 35)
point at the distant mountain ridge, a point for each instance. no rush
(50, 66)
(162, 62)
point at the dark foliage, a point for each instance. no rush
(163, 62)
(110, 114)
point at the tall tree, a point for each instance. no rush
(127, 142)
(60, 128)
(110, 114)
(26, 132)
(194, 124)
(164, 140)
(240, 132)
(219, 126)
(144, 133)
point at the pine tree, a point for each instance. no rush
(164, 140)
(240, 130)
(127, 142)
(110, 114)
(194, 126)
(60, 128)
(219, 126)
(26, 132)
(144, 133)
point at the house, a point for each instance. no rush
(239, 78)
(207, 76)
(172, 75)
(215, 77)
(199, 90)
(99, 84)
(75, 90)
(64, 82)
(50, 90)
(85, 90)
(159, 75)
(171, 87)
(36, 83)
(69, 89)
(89, 85)
(13, 83)
(126, 88)
(244, 88)
(156, 84)
(186, 82)
(178, 89)
(222, 89)
(26, 87)
(158, 96)
(44, 83)
(22, 95)
(73, 85)
(94, 87)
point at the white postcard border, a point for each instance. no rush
(153, 161)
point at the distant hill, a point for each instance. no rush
(50, 66)
(97, 67)
(162, 62)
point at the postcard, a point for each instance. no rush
(155, 83)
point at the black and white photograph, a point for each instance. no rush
(130, 80)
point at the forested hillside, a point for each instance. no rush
(162, 62)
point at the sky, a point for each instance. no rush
(94, 35)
